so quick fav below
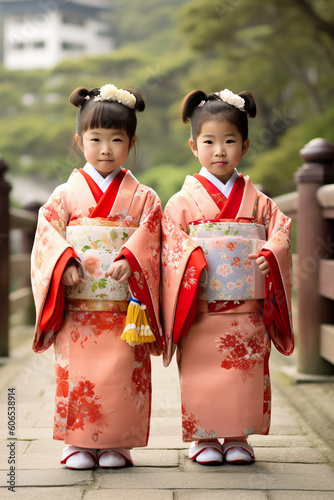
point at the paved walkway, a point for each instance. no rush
(294, 462)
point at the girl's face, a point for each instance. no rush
(219, 148)
(105, 149)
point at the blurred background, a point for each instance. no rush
(280, 50)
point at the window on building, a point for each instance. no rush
(39, 45)
(72, 46)
(18, 45)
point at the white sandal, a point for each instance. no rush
(114, 458)
(206, 452)
(78, 458)
(238, 452)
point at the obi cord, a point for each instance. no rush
(137, 329)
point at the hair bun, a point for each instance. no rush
(250, 106)
(140, 102)
(80, 94)
(190, 102)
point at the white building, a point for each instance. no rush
(39, 34)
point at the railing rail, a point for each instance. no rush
(312, 205)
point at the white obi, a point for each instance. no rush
(97, 246)
(226, 246)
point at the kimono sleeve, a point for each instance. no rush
(277, 305)
(49, 257)
(182, 265)
(142, 252)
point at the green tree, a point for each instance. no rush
(280, 48)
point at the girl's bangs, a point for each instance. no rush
(106, 115)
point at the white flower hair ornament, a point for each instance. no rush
(231, 98)
(110, 92)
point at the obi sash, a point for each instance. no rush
(97, 242)
(226, 246)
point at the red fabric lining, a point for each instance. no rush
(275, 311)
(105, 204)
(218, 197)
(53, 310)
(187, 304)
(140, 292)
(97, 192)
(234, 200)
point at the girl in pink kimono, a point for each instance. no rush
(226, 277)
(97, 240)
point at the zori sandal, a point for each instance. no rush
(206, 452)
(78, 458)
(238, 452)
(114, 458)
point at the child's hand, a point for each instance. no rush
(119, 271)
(261, 262)
(72, 274)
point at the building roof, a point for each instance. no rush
(88, 7)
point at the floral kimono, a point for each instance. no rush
(103, 385)
(224, 312)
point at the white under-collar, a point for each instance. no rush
(223, 188)
(102, 182)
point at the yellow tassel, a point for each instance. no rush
(137, 329)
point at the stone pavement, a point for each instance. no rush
(294, 462)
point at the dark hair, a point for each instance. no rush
(105, 114)
(197, 113)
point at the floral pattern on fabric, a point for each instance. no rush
(241, 350)
(191, 429)
(175, 246)
(56, 212)
(189, 425)
(141, 375)
(226, 246)
(93, 324)
(97, 246)
(62, 383)
(82, 407)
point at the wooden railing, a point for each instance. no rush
(312, 206)
(15, 288)
(19, 263)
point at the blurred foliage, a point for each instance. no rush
(281, 50)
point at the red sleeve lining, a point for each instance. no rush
(187, 302)
(53, 310)
(140, 292)
(275, 310)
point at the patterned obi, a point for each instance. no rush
(97, 242)
(226, 246)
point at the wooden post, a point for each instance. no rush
(312, 245)
(4, 260)
(27, 242)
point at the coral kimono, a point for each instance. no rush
(224, 312)
(103, 385)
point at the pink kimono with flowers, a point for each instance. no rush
(224, 343)
(103, 385)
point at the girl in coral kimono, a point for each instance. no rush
(97, 240)
(226, 277)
